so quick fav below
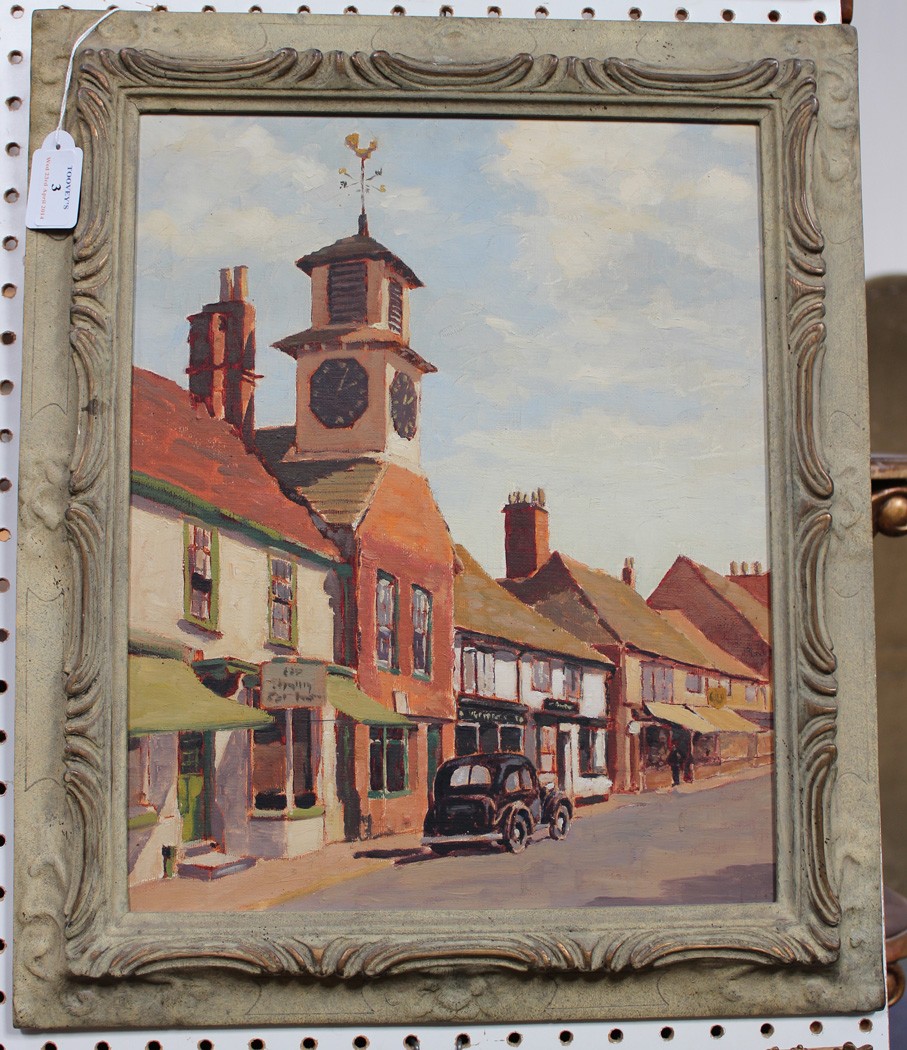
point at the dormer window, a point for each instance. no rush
(395, 307)
(347, 293)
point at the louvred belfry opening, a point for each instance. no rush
(347, 293)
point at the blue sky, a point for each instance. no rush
(592, 301)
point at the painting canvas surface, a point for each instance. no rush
(449, 567)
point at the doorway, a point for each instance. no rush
(194, 784)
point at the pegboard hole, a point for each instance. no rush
(309, 1043)
(4, 634)
(16, 11)
(635, 13)
(588, 12)
(304, 10)
(514, 1039)
(5, 486)
(255, 10)
(494, 12)
(615, 1035)
(816, 1027)
(774, 16)
(102, 1046)
(7, 338)
(10, 244)
(2, 843)
(6, 436)
(15, 57)
(398, 10)
(11, 196)
(681, 14)
(667, 1033)
(9, 291)
(209, 10)
(411, 1042)
(865, 1025)
(446, 11)
(256, 1044)
(7, 387)
(716, 1031)
(2, 942)
(360, 1042)
(4, 587)
(205, 1044)
(566, 1037)
(2, 741)
(820, 17)
(541, 12)
(13, 103)
(12, 149)
(5, 533)
(153, 1045)
(462, 1041)
(49, 1046)
(727, 14)
(159, 7)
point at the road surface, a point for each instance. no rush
(695, 847)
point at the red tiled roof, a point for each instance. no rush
(759, 586)
(181, 445)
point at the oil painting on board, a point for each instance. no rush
(449, 567)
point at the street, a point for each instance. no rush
(690, 846)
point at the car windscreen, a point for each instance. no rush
(473, 777)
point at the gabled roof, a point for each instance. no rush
(482, 606)
(179, 446)
(749, 607)
(351, 249)
(714, 653)
(339, 491)
(759, 585)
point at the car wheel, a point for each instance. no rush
(518, 835)
(560, 823)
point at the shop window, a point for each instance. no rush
(282, 602)
(421, 631)
(541, 675)
(512, 739)
(271, 778)
(694, 683)
(466, 740)
(200, 575)
(656, 744)
(388, 761)
(488, 739)
(574, 681)
(386, 596)
(657, 683)
(592, 750)
(751, 694)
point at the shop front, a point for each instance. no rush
(489, 726)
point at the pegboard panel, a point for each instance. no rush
(756, 1034)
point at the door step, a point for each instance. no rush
(198, 847)
(213, 865)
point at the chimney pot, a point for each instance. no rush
(745, 568)
(241, 283)
(226, 285)
(628, 573)
(735, 569)
(757, 568)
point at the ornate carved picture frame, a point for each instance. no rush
(82, 958)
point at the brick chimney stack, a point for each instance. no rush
(222, 354)
(526, 543)
(628, 572)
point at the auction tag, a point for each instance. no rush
(53, 189)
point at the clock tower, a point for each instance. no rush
(357, 378)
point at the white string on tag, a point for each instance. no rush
(72, 58)
(55, 185)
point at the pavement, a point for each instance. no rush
(706, 842)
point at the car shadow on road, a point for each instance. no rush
(414, 852)
(737, 884)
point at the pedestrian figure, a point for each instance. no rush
(687, 761)
(675, 761)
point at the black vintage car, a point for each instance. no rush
(495, 799)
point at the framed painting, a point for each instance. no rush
(444, 511)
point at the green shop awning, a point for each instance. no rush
(344, 695)
(166, 697)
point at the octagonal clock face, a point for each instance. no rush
(338, 393)
(404, 406)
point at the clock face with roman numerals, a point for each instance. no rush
(404, 406)
(338, 394)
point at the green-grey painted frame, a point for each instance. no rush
(81, 958)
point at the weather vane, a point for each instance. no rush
(363, 153)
